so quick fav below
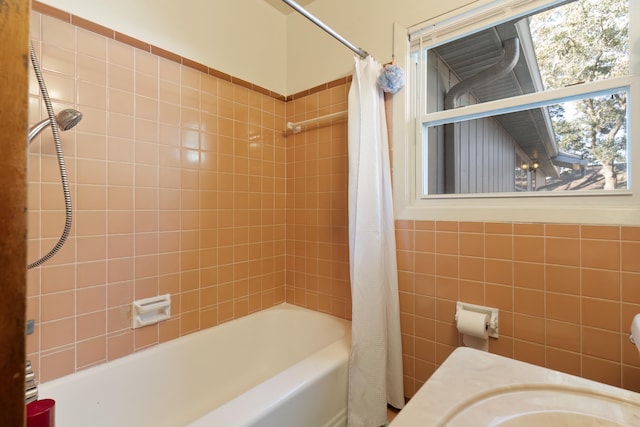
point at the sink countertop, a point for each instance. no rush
(469, 376)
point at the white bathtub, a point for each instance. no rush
(285, 366)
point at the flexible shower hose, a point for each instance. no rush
(61, 164)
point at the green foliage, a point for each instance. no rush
(585, 41)
(582, 41)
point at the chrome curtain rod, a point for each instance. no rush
(360, 52)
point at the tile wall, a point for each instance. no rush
(178, 186)
(317, 221)
(224, 210)
(566, 293)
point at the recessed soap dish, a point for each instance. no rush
(152, 310)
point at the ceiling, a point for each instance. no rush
(284, 8)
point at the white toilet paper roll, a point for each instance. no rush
(473, 323)
(473, 327)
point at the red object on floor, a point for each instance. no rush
(41, 413)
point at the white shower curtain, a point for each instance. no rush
(375, 365)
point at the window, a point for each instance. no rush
(521, 104)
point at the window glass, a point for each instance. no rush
(581, 41)
(531, 104)
(569, 146)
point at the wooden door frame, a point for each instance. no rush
(14, 50)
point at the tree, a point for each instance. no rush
(585, 41)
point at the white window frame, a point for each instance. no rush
(621, 207)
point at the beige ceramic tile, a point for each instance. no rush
(91, 352)
(499, 246)
(56, 364)
(603, 254)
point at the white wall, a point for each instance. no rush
(314, 57)
(243, 38)
(251, 40)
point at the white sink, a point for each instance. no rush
(557, 419)
(547, 406)
(478, 389)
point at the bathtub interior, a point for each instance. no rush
(294, 396)
(177, 382)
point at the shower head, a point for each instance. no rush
(66, 119)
